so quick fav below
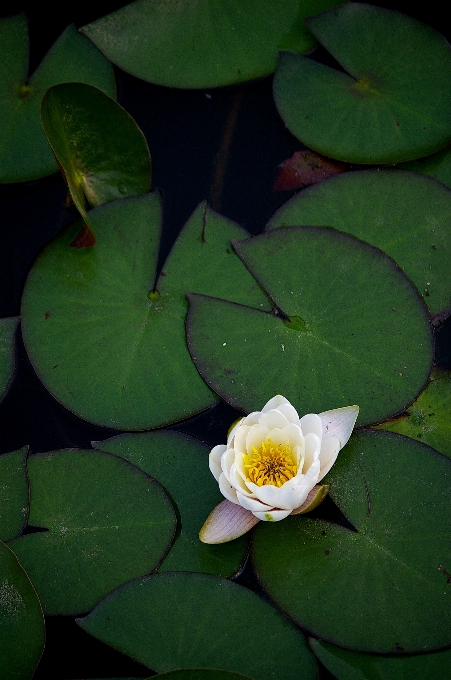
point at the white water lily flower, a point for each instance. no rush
(271, 466)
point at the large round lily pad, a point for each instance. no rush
(7, 351)
(180, 463)
(402, 213)
(106, 521)
(24, 151)
(204, 44)
(385, 587)
(182, 620)
(346, 665)
(101, 149)
(351, 330)
(393, 101)
(22, 630)
(103, 342)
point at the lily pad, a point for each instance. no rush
(392, 102)
(437, 166)
(385, 587)
(204, 44)
(13, 493)
(7, 351)
(101, 149)
(346, 665)
(404, 214)
(428, 419)
(24, 151)
(22, 630)
(349, 328)
(183, 620)
(107, 522)
(103, 342)
(180, 463)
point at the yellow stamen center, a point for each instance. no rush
(270, 464)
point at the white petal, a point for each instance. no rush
(272, 516)
(253, 504)
(275, 402)
(329, 452)
(239, 442)
(256, 435)
(227, 460)
(239, 467)
(237, 481)
(339, 423)
(289, 412)
(214, 460)
(226, 522)
(227, 489)
(312, 450)
(273, 418)
(294, 434)
(312, 423)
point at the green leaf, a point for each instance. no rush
(385, 587)
(7, 351)
(183, 620)
(107, 522)
(102, 150)
(346, 665)
(22, 630)
(103, 346)
(405, 215)
(428, 419)
(180, 463)
(24, 150)
(352, 329)
(392, 104)
(437, 166)
(13, 493)
(204, 44)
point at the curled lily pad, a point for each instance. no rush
(24, 151)
(103, 341)
(13, 493)
(7, 351)
(180, 463)
(392, 102)
(22, 630)
(348, 328)
(106, 521)
(402, 213)
(206, 43)
(383, 587)
(101, 149)
(428, 418)
(182, 620)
